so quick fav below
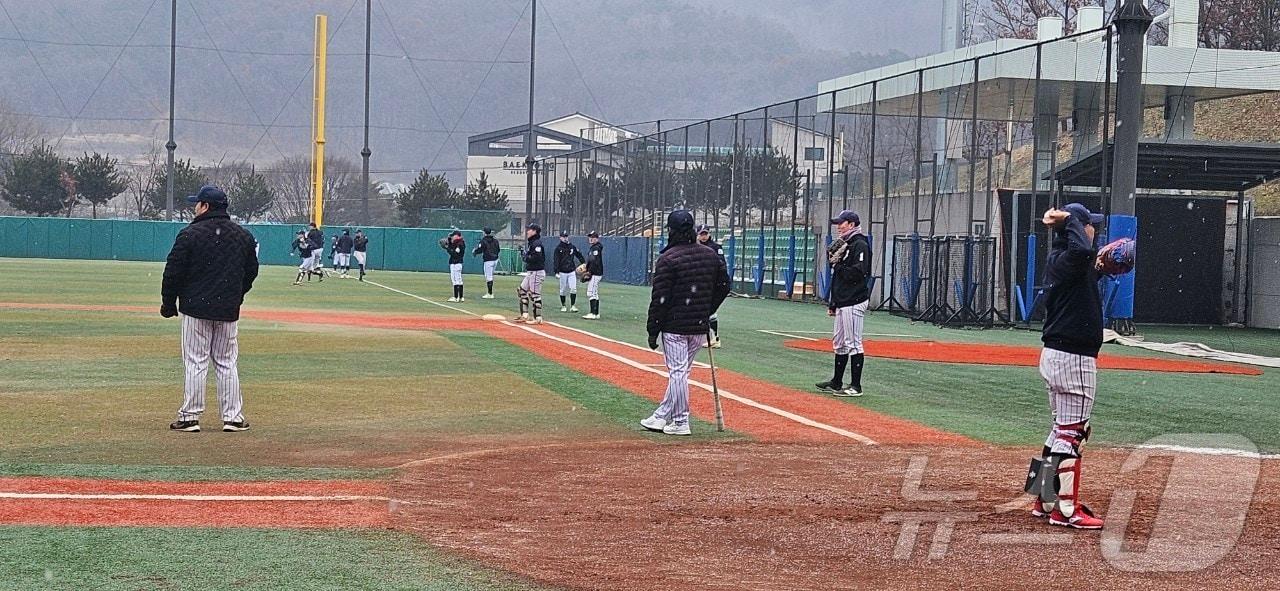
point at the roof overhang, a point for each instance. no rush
(1187, 165)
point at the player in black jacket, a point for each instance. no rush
(567, 259)
(316, 238)
(535, 266)
(595, 273)
(208, 272)
(704, 238)
(1069, 365)
(490, 248)
(456, 247)
(689, 284)
(360, 244)
(850, 260)
(342, 256)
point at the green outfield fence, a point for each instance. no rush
(395, 249)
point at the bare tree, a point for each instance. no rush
(1016, 19)
(291, 179)
(140, 181)
(18, 132)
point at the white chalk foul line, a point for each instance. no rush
(233, 498)
(729, 395)
(418, 297)
(593, 335)
(790, 336)
(1212, 451)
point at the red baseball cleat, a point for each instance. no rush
(1082, 519)
(1037, 510)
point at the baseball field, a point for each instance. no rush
(401, 442)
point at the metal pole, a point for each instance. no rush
(1105, 181)
(321, 82)
(1237, 272)
(973, 145)
(1131, 21)
(530, 142)
(171, 145)
(365, 153)
(915, 207)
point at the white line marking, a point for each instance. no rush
(418, 297)
(1213, 451)
(1034, 539)
(790, 336)
(731, 396)
(617, 342)
(866, 334)
(143, 497)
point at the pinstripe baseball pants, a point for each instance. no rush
(455, 273)
(203, 340)
(593, 287)
(489, 267)
(678, 350)
(846, 339)
(1072, 382)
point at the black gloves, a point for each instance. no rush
(168, 310)
(653, 342)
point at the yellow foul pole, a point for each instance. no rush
(317, 120)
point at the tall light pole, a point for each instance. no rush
(171, 145)
(530, 142)
(365, 153)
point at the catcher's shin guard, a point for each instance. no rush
(524, 300)
(537, 305)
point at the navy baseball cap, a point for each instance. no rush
(564, 233)
(593, 234)
(680, 220)
(1081, 212)
(847, 216)
(703, 229)
(534, 226)
(208, 194)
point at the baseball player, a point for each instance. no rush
(490, 248)
(535, 265)
(209, 270)
(689, 284)
(850, 259)
(342, 260)
(316, 237)
(565, 255)
(1069, 365)
(303, 247)
(704, 238)
(456, 247)
(595, 273)
(360, 244)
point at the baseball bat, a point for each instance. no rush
(715, 388)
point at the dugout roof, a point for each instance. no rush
(1188, 165)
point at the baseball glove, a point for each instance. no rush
(444, 243)
(1118, 257)
(583, 274)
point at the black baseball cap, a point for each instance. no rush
(534, 226)
(704, 229)
(593, 234)
(564, 233)
(488, 230)
(847, 215)
(455, 233)
(680, 220)
(208, 194)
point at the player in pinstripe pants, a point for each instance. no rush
(211, 267)
(1072, 338)
(690, 282)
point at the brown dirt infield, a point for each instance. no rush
(83, 510)
(941, 352)
(755, 516)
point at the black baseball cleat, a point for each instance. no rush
(235, 426)
(829, 386)
(185, 426)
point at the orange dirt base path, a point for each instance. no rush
(92, 502)
(1020, 356)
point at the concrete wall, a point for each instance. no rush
(1264, 273)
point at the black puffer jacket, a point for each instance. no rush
(456, 249)
(210, 268)
(690, 282)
